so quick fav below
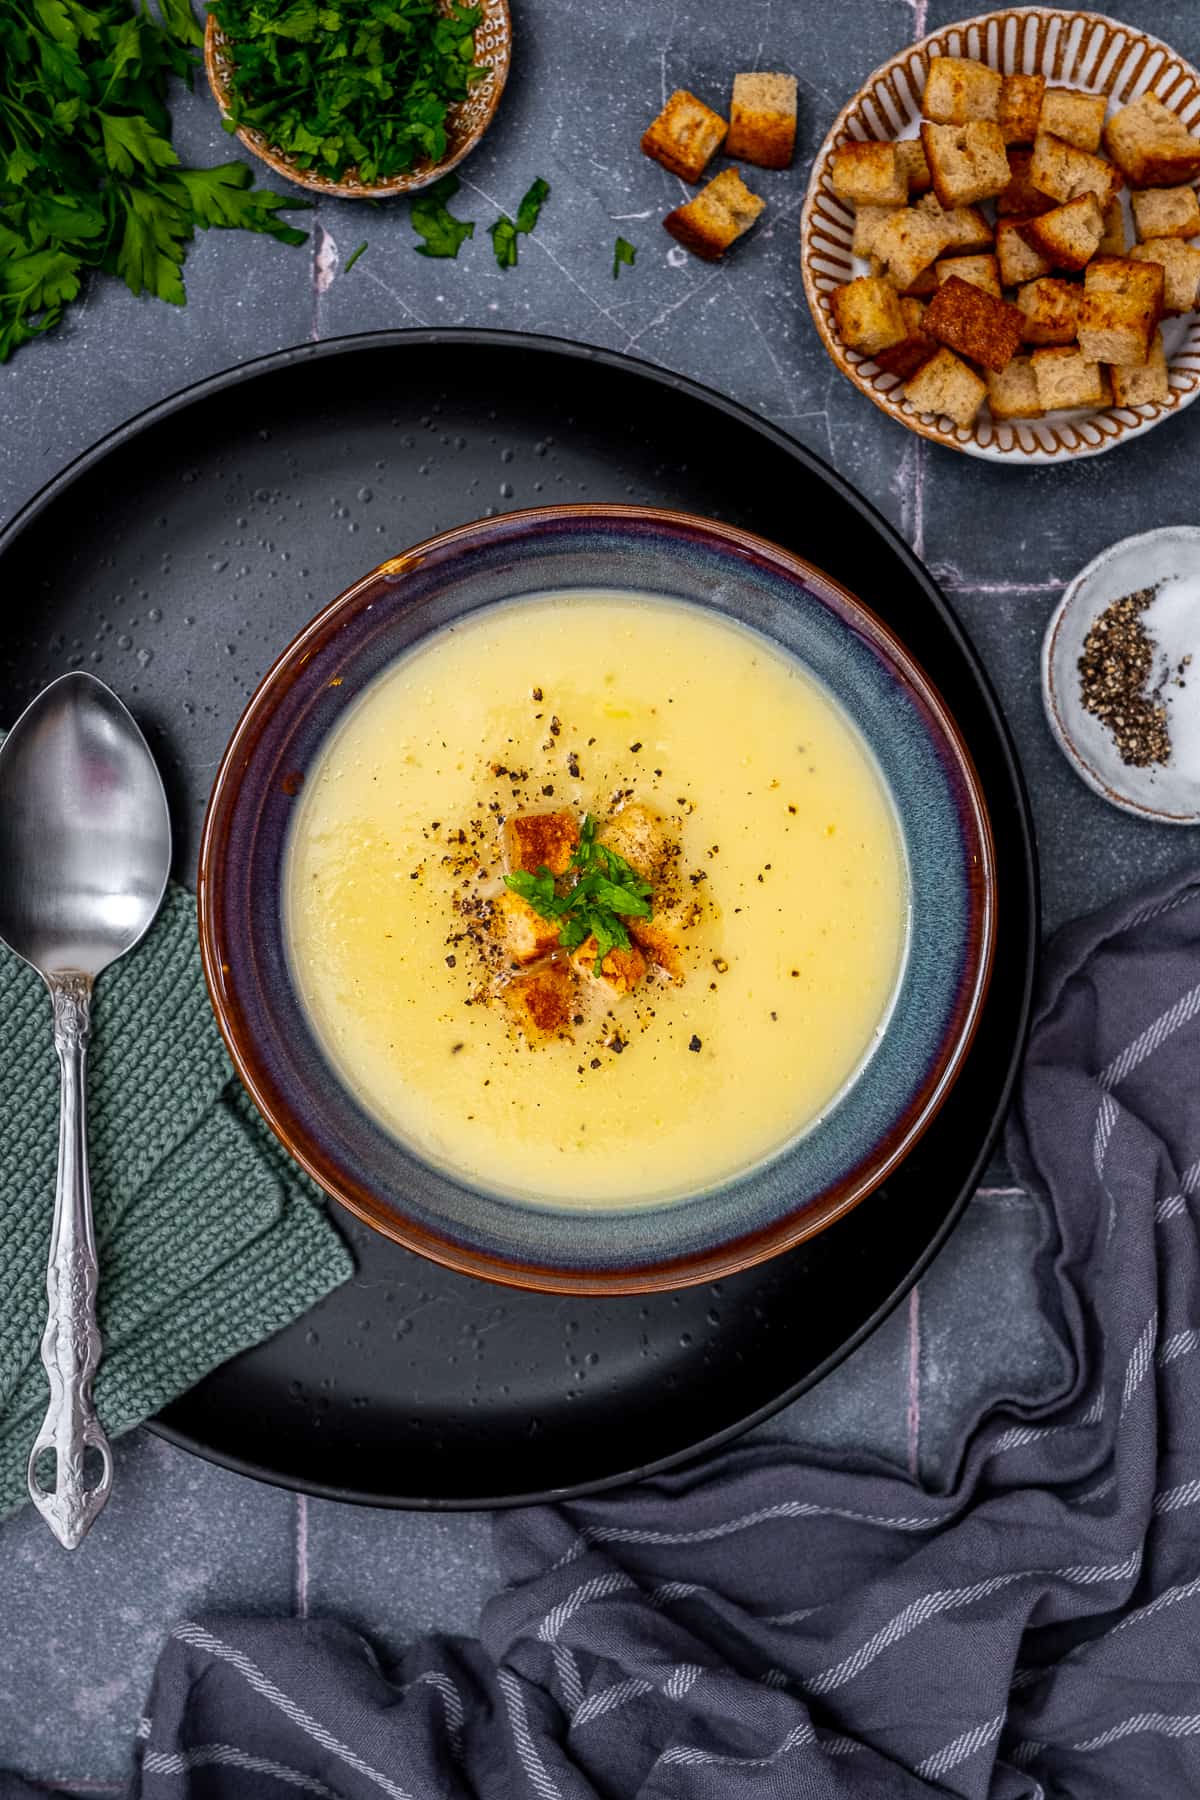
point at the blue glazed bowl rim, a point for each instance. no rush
(232, 975)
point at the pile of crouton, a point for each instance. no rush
(1038, 304)
(687, 134)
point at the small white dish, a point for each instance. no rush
(1168, 560)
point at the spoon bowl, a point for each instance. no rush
(85, 846)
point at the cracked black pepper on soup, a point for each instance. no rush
(596, 899)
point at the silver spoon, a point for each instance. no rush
(85, 849)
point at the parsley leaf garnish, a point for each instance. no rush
(89, 178)
(504, 232)
(360, 86)
(623, 252)
(353, 257)
(605, 890)
(443, 233)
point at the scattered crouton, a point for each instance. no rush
(1019, 261)
(911, 155)
(638, 833)
(947, 387)
(978, 325)
(1076, 118)
(545, 840)
(1116, 328)
(685, 136)
(966, 230)
(1049, 311)
(522, 933)
(1063, 172)
(620, 970)
(1181, 270)
(762, 120)
(1143, 384)
(867, 314)
(1166, 212)
(912, 352)
(664, 938)
(716, 218)
(981, 271)
(869, 174)
(867, 221)
(967, 162)
(1065, 378)
(1013, 392)
(541, 1001)
(1114, 239)
(1150, 145)
(1069, 235)
(908, 243)
(958, 89)
(1020, 107)
(1020, 199)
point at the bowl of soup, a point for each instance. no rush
(597, 899)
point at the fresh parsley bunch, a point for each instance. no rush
(88, 176)
(605, 893)
(349, 84)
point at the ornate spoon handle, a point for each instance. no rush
(71, 1342)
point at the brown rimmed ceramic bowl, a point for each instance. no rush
(465, 123)
(818, 1176)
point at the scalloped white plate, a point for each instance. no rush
(1083, 50)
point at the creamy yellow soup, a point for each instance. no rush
(789, 855)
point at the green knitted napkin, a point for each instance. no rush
(209, 1237)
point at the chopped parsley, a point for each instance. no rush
(353, 257)
(431, 220)
(623, 252)
(504, 232)
(358, 87)
(604, 892)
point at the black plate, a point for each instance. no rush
(176, 558)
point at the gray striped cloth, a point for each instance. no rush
(771, 1625)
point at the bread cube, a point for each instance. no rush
(1020, 199)
(1166, 212)
(1049, 311)
(981, 271)
(721, 212)
(1020, 107)
(1063, 172)
(946, 386)
(685, 136)
(1143, 384)
(620, 970)
(1181, 271)
(911, 155)
(869, 174)
(1114, 238)
(925, 284)
(1013, 392)
(867, 221)
(1115, 328)
(522, 933)
(908, 243)
(867, 314)
(1019, 261)
(1066, 378)
(1150, 145)
(1069, 235)
(545, 840)
(912, 352)
(965, 227)
(958, 89)
(1076, 118)
(1121, 275)
(542, 1001)
(639, 834)
(762, 120)
(967, 162)
(978, 325)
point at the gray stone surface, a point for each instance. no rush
(81, 1634)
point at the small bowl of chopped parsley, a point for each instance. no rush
(358, 98)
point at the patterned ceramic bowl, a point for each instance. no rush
(1080, 50)
(820, 1174)
(465, 123)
